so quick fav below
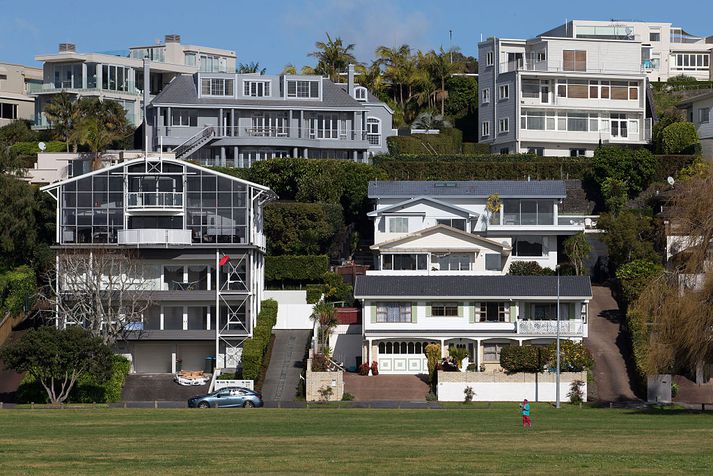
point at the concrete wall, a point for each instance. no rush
(318, 380)
(500, 387)
(293, 312)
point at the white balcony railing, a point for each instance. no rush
(154, 236)
(567, 327)
(155, 200)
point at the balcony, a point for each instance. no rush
(589, 222)
(284, 133)
(153, 236)
(155, 200)
(129, 88)
(576, 327)
(555, 67)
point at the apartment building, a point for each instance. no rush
(194, 244)
(666, 50)
(119, 75)
(236, 120)
(556, 96)
(699, 110)
(16, 82)
(441, 265)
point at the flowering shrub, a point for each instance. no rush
(374, 368)
(364, 369)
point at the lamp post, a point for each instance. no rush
(557, 390)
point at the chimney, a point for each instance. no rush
(67, 47)
(173, 38)
(350, 80)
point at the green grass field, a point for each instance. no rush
(353, 441)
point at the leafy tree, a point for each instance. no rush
(303, 228)
(333, 57)
(578, 249)
(529, 268)
(252, 67)
(635, 276)
(428, 120)
(635, 167)
(527, 359)
(17, 131)
(58, 358)
(462, 96)
(63, 113)
(629, 236)
(433, 356)
(441, 68)
(666, 118)
(615, 193)
(457, 354)
(574, 356)
(680, 138)
(399, 69)
(325, 316)
(336, 290)
(18, 233)
(17, 291)
(9, 161)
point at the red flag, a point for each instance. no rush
(224, 260)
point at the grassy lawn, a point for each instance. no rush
(329, 441)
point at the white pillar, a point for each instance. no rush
(173, 362)
(443, 348)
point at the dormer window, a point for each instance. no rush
(298, 88)
(360, 93)
(256, 89)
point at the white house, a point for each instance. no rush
(441, 267)
(699, 110)
(559, 96)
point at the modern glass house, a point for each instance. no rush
(195, 238)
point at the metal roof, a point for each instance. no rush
(471, 287)
(470, 188)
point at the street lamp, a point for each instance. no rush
(557, 405)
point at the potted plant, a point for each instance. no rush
(374, 368)
(364, 369)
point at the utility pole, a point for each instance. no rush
(558, 339)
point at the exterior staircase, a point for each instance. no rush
(195, 142)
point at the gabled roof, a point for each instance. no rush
(696, 98)
(172, 161)
(415, 200)
(471, 287)
(442, 229)
(182, 91)
(470, 188)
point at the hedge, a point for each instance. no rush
(475, 148)
(32, 148)
(314, 293)
(295, 268)
(17, 288)
(255, 348)
(574, 357)
(294, 228)
(86, 390)
(634, 276)
(448, 141)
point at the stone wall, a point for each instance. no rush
(319, 380)
(500, 387)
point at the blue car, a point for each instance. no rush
(227, 397)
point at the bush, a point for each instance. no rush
(680, 138)
(637, 326)
(615, 193)
(635, 167)
(576, 392)
(18, 131)
(475, 148)
(526, 358)
(529, 268)
(17, 290)
(634, 276)
(574, 356)
(347, 397)
(254, 349)
(336, 290)
(300, 269)
(294, 228)
(629, 236)
(448, 141)
(32, 148)
(468, 394)
(314, 293)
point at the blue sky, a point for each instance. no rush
(279, 32)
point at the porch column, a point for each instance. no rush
(222, 156)
(233, 127)
(295, 152)
(476, 353)
(305, 154)
(236, 156)
(355, 156)
(84, 75)
(443, 348)
(368, 351)
(221, 131)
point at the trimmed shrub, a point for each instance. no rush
(296, 269)
(529, 268)
(294, 228)
(32, 148)
(680, 138)
(526, 358)
(635, 167)
(634, 276)
(574, 356)
(448, 141)
(314, 293)
(17, 289)
(475, 148)
(255, 348)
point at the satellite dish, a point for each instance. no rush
(42, 146)
(670, 181)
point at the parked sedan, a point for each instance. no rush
(226, 398)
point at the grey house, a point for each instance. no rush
(235, 120)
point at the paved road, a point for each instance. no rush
(161, 387)
(605, 342)
(286, 365)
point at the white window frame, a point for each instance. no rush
(299, 92)
(489, 57)
(373, 131)
(486, 96)
(504, 125)
(257, 88)
(444, 309)
(485, 129)
(701, 112)
(361, 94)
(213, 87)
(391, 221)
(504, 91)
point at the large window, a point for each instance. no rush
(184, 117)
(580, 89)
(704, 115)
(528, 246)
(213, 64)
(691, 61)
(8, 111)
(574, 60)
(491, 352)
(297, 88)
(398, 224)
(493, 262)
(328, 125)
(444, 309)
(491, 311)
(451, 261)
(216, 87)
(257, 89)
(404, 262)
(373, 130)
(528, 212)
(393, 312)
(115, 78)
(548, 311)
(458, 223)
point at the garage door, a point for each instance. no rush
(152, 358)
(402, 357)
(193, 355)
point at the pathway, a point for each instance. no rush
(286, 365)
(409, 388)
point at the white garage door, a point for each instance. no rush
(402, 357)
(193, 355)
(152, 358)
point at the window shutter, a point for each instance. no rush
(471, 314)
(460, 309)
(373, 313)
(414, 316)
(513, 312)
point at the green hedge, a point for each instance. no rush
(634, 276)
(255, 348)
(526, 358)
(32, 148)
(475, 148)
(293, 268)
(17, 288)
(448, 141)
(314, 292)
(86, 390)
(295, 228)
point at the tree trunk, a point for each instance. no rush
(443, 96)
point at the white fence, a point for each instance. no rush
(234, 383)
(568, 327)
(154, 236)
(499, 387)
(293, 312)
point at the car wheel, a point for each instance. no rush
(249, 404)
(203, 405)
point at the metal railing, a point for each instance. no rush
(130, 89)
(549, 327)
(278, 132)
(545, 66)
(155, 200)
(154, 236)
(195, 140)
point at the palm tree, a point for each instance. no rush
(99, 124)
(324, 314)
(398, 68)
(440, 69)
(62, 112)
(289, 69)
(371, 78)
(333, 57)
(252, 67)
